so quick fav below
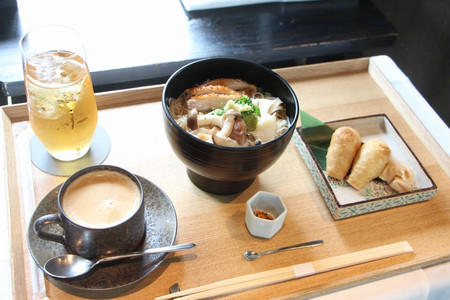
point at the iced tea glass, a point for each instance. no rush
(61, 104)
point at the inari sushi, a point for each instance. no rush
(369, 163)
(345, 143)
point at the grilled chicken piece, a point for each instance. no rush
(212, 94)
(210, 101)
(212, 89)
(235, 84)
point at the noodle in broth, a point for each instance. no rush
(230, 112)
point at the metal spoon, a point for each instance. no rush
(71, 265)
(251, 255)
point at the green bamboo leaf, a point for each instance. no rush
(317, 135)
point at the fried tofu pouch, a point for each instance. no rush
(369, 162)
(345, 143)
(399, 176)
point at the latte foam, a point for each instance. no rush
(101, 199)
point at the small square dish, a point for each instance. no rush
(343, 200)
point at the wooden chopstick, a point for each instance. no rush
(287, 273)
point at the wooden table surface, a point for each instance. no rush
(331, 91)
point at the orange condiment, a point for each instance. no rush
(263, 215)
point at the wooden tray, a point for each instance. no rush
(328, 91)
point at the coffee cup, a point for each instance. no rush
(101, 211)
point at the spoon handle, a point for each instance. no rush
(172, 248)
(298, 246)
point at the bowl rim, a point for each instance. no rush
(291, 127)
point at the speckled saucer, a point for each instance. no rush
(113, 279)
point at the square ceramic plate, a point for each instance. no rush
(343, 200)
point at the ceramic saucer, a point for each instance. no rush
(161, 230)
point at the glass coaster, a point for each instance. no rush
(100, 146)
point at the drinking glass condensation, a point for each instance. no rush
(61, 105)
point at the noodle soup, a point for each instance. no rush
(213, 136)
(230, 112)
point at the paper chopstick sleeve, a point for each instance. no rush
(303, 270)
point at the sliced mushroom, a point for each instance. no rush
(252, 141)
(210, 120)
(192, 122)
(206, 134)
(232, 112)
(224, 141)
(239, 133)
(227, 127)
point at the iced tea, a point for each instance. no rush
(61, 103)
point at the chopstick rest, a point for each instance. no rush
(292, 272)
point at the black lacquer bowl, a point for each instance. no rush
(219, 169)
